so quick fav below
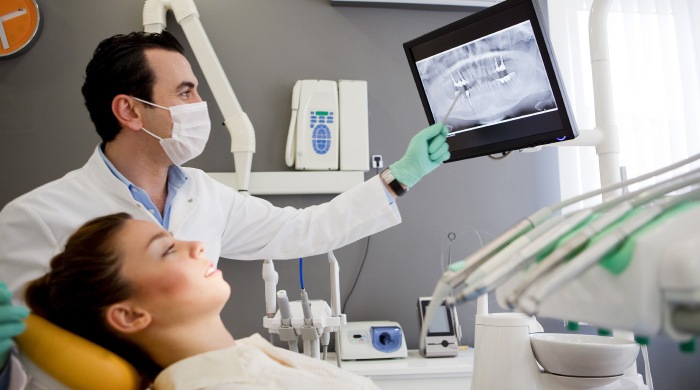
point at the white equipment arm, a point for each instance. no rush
(608, 149)
(237, 122)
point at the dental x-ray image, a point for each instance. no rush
(496, 78)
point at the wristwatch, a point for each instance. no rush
(388, 178)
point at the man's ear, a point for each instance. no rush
(127, 318)
(126, 111)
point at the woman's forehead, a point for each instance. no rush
(139, 234)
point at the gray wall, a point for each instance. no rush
(264, 47)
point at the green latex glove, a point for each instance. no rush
(426, 151)
(11, 322)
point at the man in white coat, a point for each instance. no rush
(142, 97)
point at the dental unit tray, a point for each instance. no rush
(323, 320)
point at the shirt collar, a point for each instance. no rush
(176, 175)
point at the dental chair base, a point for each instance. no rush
(504, 359)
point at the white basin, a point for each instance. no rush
(583, 355)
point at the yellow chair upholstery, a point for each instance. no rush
(72, 360)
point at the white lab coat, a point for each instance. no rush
(35, 226)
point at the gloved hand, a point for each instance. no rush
(11, 322)
(426, 151)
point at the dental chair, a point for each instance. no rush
(60, 359)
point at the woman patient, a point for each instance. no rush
(129, 286)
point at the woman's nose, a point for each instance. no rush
(196, 249)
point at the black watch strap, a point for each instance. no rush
(390, 180)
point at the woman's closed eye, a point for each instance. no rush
(171, 249)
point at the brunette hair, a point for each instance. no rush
(84, 280)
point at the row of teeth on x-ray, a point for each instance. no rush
(481, 80)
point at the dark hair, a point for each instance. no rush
(84, 280)
(119, 66)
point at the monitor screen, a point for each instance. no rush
(441, 324)
(493, 79)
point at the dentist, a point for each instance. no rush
(142, 97)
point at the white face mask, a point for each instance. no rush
(191, 127)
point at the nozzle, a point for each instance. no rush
(306, 308)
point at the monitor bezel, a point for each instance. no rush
(487, 21)
(450, 321)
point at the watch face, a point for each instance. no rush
(20, 25)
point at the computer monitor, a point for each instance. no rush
(442, 324)
(496, 71)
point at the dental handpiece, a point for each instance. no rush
(459, 271)
(621, 206)
(309, 334)
(530, 301)
(518, 255)
(285, 310)
(646, 195)
(649, 193)
(271, 277)
(456, 275)
(510, 260)
(559, 255)
(527, 246)
(306, 308)
(472, 280)
(622, 184)
(286, 333)
(335, 284)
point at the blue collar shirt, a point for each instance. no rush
(176, 179)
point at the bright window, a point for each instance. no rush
(655, 70)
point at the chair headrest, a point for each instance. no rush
(73, 360)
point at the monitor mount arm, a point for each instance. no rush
(236, 121)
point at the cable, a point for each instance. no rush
(452, 238)
(357, 277)
(301, 272)
(626, 183)
(503, 155)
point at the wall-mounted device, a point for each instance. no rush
(444, 332)
(498, 68)
(328, 129)
(372, 340)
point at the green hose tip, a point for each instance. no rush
(688, 346)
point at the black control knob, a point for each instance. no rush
(385, 338)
